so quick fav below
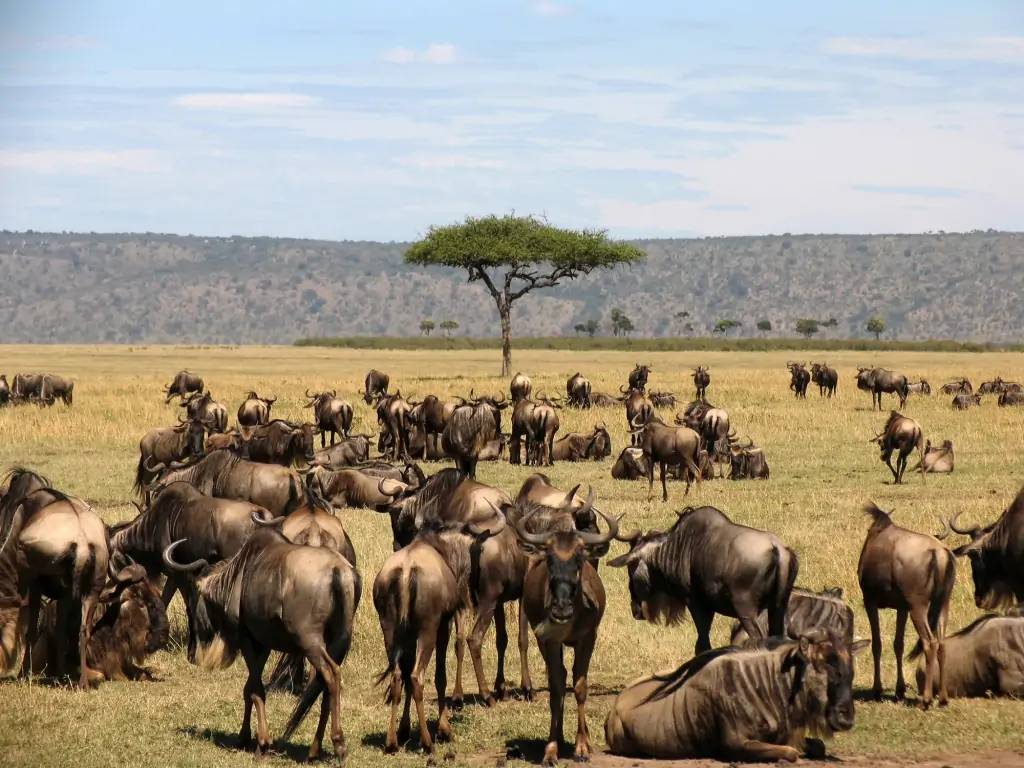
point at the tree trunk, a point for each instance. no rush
(505, 312)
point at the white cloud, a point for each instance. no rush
(85, 161)
(435, 53)
(245, 101)
(450, 162)
(549, 8)
(987, 49)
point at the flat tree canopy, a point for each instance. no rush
(513, 255)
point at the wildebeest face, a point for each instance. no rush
(987, 588)
(304, 438)
(565, 565)
(644, 594)
(828, 682)
(196, 435)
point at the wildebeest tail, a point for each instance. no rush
(140, 475)
(83, 567)
(401, 620)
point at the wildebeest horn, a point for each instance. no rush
(271, 523)
(636, 425)
(630, 537)
(160, 467)
(536, 539)
(479, 530)
(963, 531)
(311, 396)
(270, 400)
(380, 487)
(622, 389)
(569, 496)
(180, 567)
(597, 539)
(944, 533)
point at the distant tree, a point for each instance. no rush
(621, 324)
(806, 327)
(830, 323)
(448, 326)
(764, 325)
(875, 325)
(579, 328)
(591, 327)
(426, 326)
(513, 255)
(724, 326)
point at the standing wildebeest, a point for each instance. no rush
(913, 573)
(182, 384)
(709, 564)
(997, 386)
(903, 434)
(921, 387)
(631, 464)
(581, 446)
(825, 377)
(996, 552)
(936, 460)
(430, 416)
(663, 400)
(740, 704)
(278, 442)
(203, 407)
(53, 387)
(799, 378)
(747, 462)
(639, 411)
(806, 613)
(563, 600)
(957, 386)
(5, 390)
(394, 414)
(638, 377)
(542, 427)
(520, 387)
(331, 415)
(667, 446)
(255, 410)
(27, 386)
(375, 386)
(349, 452)
(962, 402)
(881, 380)
(469, 429)
(164, 445)
(577, 391)
(984, 658)
(1011, 398)
(274, 595)
(701, 381)
(522, 413)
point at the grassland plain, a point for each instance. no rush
(823, 470)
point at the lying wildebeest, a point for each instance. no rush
(604, 400)
(921, 387)
(375, 386)
(913, 573)
(520, 387)
(255, 410)
(631, 465)
(667, 446)
(825, 377)
(997, 386)
(353, 488)
(984, 658)
(5, 390)
(207, 410)
(747, 462)
(564, 600)
(347, 453)
(542, 427)
(903, 434)
(879, 381)
(962, 402)
(749, 704)
(278, 442)
(53, 387)
(663, 400)
(936, 460)
(131, 625)
(957, 386)
(577, 391)
(1011, 398)
(274, 595)
(164, 445)
(996, 552)
(638, 377)
(182, 384)
(807, 612)
(701, 381)
(331, 414)
(639, 411)
(799, 378)
(394, 414)
(710, 565)
(470, 428)
(27, 386)
(583, 446)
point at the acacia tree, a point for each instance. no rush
(426, 326)
(448, 326)
(875, 325)
(806, 327)
(513, 255)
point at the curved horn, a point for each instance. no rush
(311, 396)
(271, 523)
(159, 467)
(536, 539)
(380, 487)
(597, 539)
(479, 530)
(634, 424)
(181, 568)
(630, 537)
(622, 389)
(957, 529)
(944, 533)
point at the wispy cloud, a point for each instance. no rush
(909, 191)
(444, 161)
(245, 101)
(984, 49)
(435, 53)
(83, 161)
(48, 42)
(549, 8)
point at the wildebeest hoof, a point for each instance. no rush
(457, 702)
(528, 694)
(814, 749)
(490, 701)
(582, 758)
(551, 754)
(390, 748)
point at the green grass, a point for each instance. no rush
(823, 470)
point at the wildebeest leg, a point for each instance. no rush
(753, 629)
(759, 751)
(428, 640)
(556, 687)
(30, 625)
(395, 698)
(580, 667)
(920, 618)
(524, 655)
(940, 633)
(485, 612)
(662, 468)
(887, 458)
(87, 676)
(897, 648)
(254, 695)
(702, 618)
(500, 645)
(330, 674)
(444, 728)
(460, 655)
(876, 647)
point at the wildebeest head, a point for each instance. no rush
(139, 615)
(648, 601)
(990, 588)
(600, 444)
(825, 664)
(638, 377)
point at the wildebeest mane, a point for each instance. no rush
(677, 678)
(425, 504)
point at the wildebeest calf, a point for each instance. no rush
(808, 611)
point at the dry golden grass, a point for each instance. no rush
(823, 470)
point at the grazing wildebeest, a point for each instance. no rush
(747, 462)
(631, 464)
(5, 390)
(164, 445)
(997, 386)
(375, 386)
(667, 446)
(962, 402)
(936, 460)
(278, 442)
(577, 391)
(604, 400)
(799, 378)
(996, 552)
(583, 446)
(913, 573)
(394, 414)
(274, 595)
(53, 387)
(27, 386)
(749, 704)
(663, 399)
(348, 453)
(1011, 398)
(563, 600)
(331, 414)
(701, 381)
(542, 427)
(984, 658)
(207, 410)
(639, 411)
(921, 387)
(709, 564)
(470, 428)
(255, 410)
(638, 377)
(879, 381)
(957, 386)
(903, 434)
(825, 377)
(520, 387)
(182, 384)
(807, 612)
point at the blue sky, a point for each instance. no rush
(375, 120)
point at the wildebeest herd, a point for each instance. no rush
(243, 523)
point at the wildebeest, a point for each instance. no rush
(957, 386)
(542, 427)
(5, 390)
(27, 386)
(274, 595)
(520, 387)
(936, 460)
(807, 612)
(164, 445)
(879, 381)
(903, 434)
(583, 446)
(577, 391)
(54, 386)
(182, 384)
(709, 564)
(631, 464)
(799, 378)
(667, 446)
(352, 488)
(564, 600)
(638, 377)
(394, 414)
(278, 442)
(921, 387)
(749, 704)
(962, 402)
(639, 411)
(825, 377)
(663, 399)
(520, 437)
(255, 410)
(996, 552)
(349, 452)
(997, 386)
(604, 400)
(331, 415)
(1011, 398)
(207, 410)
(375, 386)
(747, 462)
(430, 416)
(701, 381)
(470, 428)
(913, 573)
(984, 658)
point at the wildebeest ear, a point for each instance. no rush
(621, 560)
(857, 646)
(590, 597)
(804, 646)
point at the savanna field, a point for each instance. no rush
(823, 470)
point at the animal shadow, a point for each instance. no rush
(229, 740)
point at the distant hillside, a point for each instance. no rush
(165, 288)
